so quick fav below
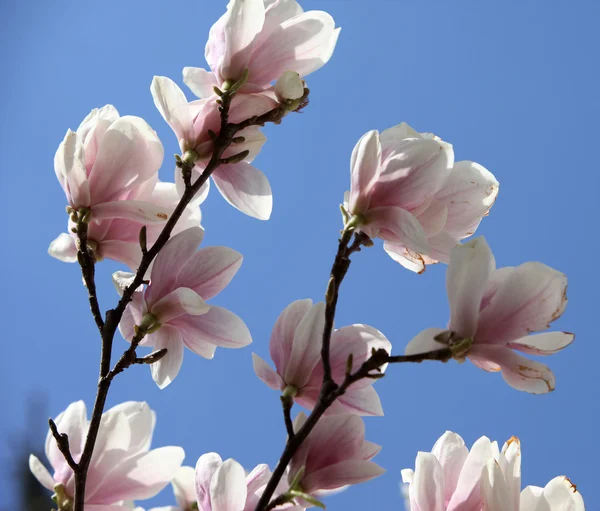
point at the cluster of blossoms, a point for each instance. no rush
(452, 478)
(405, 188)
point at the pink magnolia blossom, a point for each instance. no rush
(407, 190)
(242, 185)
(122, 468)
(497, 310)
(266, 37)
(184, 488)
(118, 238)
(334, 455)
(173, 306)
(452, 478)
(108, 163)
(225, 486)
(295, 349)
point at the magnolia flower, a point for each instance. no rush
(452, 478)
(267, 38)
(495, 311)
(184, 488)
(334, 455)
(172, 309)
(407, 190)
(108, 163)
(448, 478)
(118, 238)
(225, 486)
(122, 467)
(242, 185)
(295, 349)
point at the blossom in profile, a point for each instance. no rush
(172, 310)
(242, 185)
(453, 478)
(266, 38)
(107, 166)
(295, 349)
(334, 455)
(493, 311)
(225, 486)
(407, 189)
(122, 468)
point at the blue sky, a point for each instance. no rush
(513, 85)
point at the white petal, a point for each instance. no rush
(466, 280)
(228, 487)
(424, 342)
(167, 368)
(200, 81)
(64, 248)
(40, 472)
(246, 188)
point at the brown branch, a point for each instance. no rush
(109, 327)
(286, 403)
(87, 263)
(62, 441)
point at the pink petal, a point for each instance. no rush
(427, 487)
(128, 253)
(169, 262)
(414, 173)
(519, 372)
(469, 193)
(245, 106)
(468, 493)
(201, 194)
(266, 374)
(440, 247)
(98, 116)
(228, 487)
(395, 134)
(303, 44)
(360, 341)
(129, 154)
(424, 342)
(173, 106)
(466, 280)
(306, 348)
(138, 211)
(364, 170)
(69, 165)
(40, 472)
(200, 81)
(529, 299)
(434, 218)
(246, 188)
(218, 327)
(451, 452)
(398, 226)
(210, 270)
(543, 344)
(362, 401)
(231, 38)
(411, 260)
(145, 475)
(64, 248)
(132, 316)
(341, 474)
(282, 336)
(181, 301)
(167, 368)
(205, 468)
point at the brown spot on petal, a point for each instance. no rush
(573, 486)
(561, 307)
(513, 439)
(162, 216)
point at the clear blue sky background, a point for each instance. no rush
(513, 85)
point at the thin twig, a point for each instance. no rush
(279, 501)
(62, 441)
(87, 262)
(286, 403)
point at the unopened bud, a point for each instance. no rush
(236, 158)
(155, 356)
(289, 86)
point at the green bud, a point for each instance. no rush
(236, 158)
(308, 498)
(290, 391)
(190, 156)
(354, 222)
(149, 324)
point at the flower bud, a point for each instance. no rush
(289, 86)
